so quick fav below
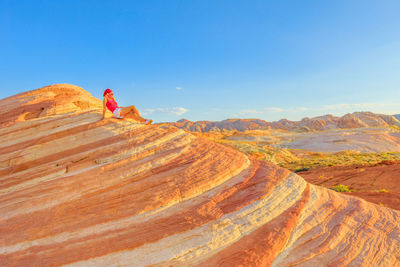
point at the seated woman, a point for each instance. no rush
(130, 112)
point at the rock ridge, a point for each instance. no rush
(326, 122)
(79, 191)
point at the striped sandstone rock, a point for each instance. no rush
(79, 191)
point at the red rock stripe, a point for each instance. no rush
(138, 196)
(78, 160)
(54, 136)
(261, 181)
(65, 153)
(389, 199)
(82, 182)
(341, 213)
(9, 117)
(46, 123)
(260, 247)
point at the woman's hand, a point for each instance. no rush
(104, 108)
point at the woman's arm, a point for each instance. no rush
(104, 107)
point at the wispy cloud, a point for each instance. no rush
(250, 111)
(273, 110)
(260, 111)
(341, 108)
(171, 111)
(349, 106)
(178, 88)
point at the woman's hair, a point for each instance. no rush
(107, 91)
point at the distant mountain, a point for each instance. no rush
(397, 116)
(326, 122)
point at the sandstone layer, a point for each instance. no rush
(46, 101)
(79, 191)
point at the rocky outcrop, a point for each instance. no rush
(46, 101)
(225, 125)
(377, 183)
(79, 191)
(326, 122)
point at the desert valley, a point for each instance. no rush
(359, 151)
(77, 190)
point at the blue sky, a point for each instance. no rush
(209, 60)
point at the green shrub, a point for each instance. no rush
(301, 169)
(341, 188)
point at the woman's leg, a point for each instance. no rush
(132, 113)
(135, 117)
(131, 109)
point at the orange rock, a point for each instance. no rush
(46, 101)
(76, 190)
(366, 180)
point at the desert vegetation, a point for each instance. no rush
(328, 169)
(298, 160)
(342, 188)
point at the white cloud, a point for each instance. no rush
(178, 88)
(177, 110)
(347, 106)
(273, 109)
(301, 109)
(148, 111)
(250, 111)
(171, 111)
(261, 111)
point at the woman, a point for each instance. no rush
(130, 112)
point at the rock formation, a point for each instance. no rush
(46, 101)
(80, 191)
(225, 125)
(377, 183)
(326, 122)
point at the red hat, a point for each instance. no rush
(107, 91)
